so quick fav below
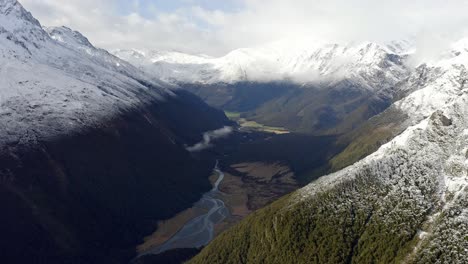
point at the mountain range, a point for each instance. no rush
(406, 202)
(306, 86)
(299, 61)
(93, 147)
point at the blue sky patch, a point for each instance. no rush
(147, 7)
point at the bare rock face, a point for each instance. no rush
(440, 118)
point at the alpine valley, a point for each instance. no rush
(397, 192)
(297, 151)
(89, 147)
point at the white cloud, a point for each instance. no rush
(191, 28)
(209, 137)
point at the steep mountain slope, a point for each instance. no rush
(89, 147)
(405, 203)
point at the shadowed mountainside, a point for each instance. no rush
(89, 197)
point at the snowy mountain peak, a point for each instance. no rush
(309, 62)
(404, 46)
(19, 27)
(57, 83)
(7, 4)
(68, 36)
(13, 16)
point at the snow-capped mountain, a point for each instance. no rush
(426, 166)
(303, 85)
(436, 84)
(405, 203)
(89, 144)
(55, 80)
(372, 65)
(19, 26)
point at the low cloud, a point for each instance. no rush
(208, 138)
(428, 47)
(196, 27)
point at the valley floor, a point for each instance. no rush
(245, 187)
(250, 125)
(258, 168)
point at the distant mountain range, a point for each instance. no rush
(301, 62)
(306, 86)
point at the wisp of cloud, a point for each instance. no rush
(208, 137)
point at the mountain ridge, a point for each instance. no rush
(404, 203)
(273, 62)
(89, 145)
(85, 79)
(316, 87)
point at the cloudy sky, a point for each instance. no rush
(215, 27)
